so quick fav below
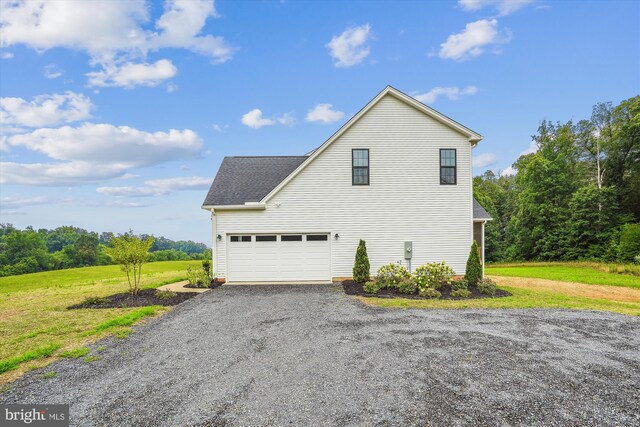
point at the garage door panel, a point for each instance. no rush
(289, 260)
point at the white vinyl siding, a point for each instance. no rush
(404, 202)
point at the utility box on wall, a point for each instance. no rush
(408, 250)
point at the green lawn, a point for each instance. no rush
(530, 294)
(36, 326)
(589, 273)
(521, 298)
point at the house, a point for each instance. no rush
(397, 175)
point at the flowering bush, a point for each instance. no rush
(430, 293)
(460, 288)
(432, 276)
(407, 286)
(390, 275)
(371, 287)
(487, 286)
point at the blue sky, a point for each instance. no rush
(116, 115)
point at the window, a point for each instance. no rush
(360, 167)
(316, 237)
(448, 166)
(240, 238)
(266, 238)
(292, 238)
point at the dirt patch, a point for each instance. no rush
(144, 298)
(614, 293)
(352, 288)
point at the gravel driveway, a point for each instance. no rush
(310, 355)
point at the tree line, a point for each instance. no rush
(30, 250)
(576, 198)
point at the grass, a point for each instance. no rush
(50, 374)
(38, 353)
(521, 298)
(579, 272)
(126, 320)
(580, 295)
(33, 310)
(75, 353)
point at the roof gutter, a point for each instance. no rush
(247, 206)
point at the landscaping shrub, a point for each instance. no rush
(371, 287)
(95, 301)
(473, 272)
(460, 288)
(429, 293)
(165, 294)
(432, 276)
(390, 275)
(487, 286)
(361, 267)
(407, 286)
(200, 277)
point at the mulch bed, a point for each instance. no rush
(144, 298)
(214, 284)
(352, 288)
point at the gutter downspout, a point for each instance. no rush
(214, 229)
(483, 261)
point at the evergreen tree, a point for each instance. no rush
(473, 272)
(361, 267)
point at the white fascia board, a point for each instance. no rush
(259, 206)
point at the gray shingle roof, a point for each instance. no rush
(479, 212)
(249, 179)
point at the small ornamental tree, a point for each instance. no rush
(361, 267)
(473, 273)
(131, 253)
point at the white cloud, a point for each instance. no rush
(112, 33)
(509, 171)
(323, 113)
(94, 152)
(171, 87)
(219, 128)
(473, 40)
(129, 75)
(533, 148)
(19, 202)
(6, 55)
(180, 25)
(45, 110)
(254, 119)
(350, 48)
(286, 119)
(504, 7)
(69, 173)
(114, 145)
(483, 160)
(453, 93)
(52, 71)
(159, 187)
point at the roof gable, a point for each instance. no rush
(473, 137)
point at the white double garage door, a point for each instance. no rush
(278, 257)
